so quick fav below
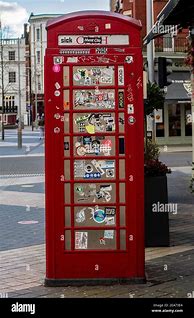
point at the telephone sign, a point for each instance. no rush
(94, 149)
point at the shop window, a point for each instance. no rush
(188, 120)
(174, 117)
(159, 120)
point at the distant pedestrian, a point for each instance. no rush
(41, 126)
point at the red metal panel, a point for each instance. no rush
(65, 258)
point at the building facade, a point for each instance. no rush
(13, 79)
(174, 122)
(38, 43)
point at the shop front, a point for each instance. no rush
(174, 122)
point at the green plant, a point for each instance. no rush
(155, 98)
(151, 151)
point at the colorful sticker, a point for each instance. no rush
(72, 59)
(109, 234)
(99, 216)
(58, 60)
(130, 109)
(80, 216)
(57, 85)
(129, 59)
(101, 50)
(56, 68)
(110, 211)
(57, 93)
(81, 240)
(57, 130)
(110, 220)
(121, 99)
(131, 120)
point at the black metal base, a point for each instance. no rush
(50, 282)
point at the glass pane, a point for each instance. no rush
(188, 120)
(66, 75)
(91, 146)
(94, 169)
(67, 216)
(93, 75)
(92, 123)
(95, 240)
(94, 99)
(159, 120)
(95, 216)
(95, 193)
(66, 102)
(67, 169)
(122, 216)
(66, 146)
(122, 192)
(66, 123)
(122, 169)
(121, 146)
(122, 239)
(67, 193)
(121, 123)
(174, 115)
(68, 240)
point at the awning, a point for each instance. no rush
(180, 89)
(176, 12)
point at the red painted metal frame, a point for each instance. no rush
(80, 264)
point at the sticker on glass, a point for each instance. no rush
(109, 234)
(80, 216)
(81, 240)
(99, 216)
(94, 99)
(121, 80)
(121, 98)
(93, 192)
(92, 123)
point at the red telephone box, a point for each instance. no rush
(94, 149)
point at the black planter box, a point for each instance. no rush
(156, 223)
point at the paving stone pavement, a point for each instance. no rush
(169, 271)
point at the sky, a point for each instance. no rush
(13, 13)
